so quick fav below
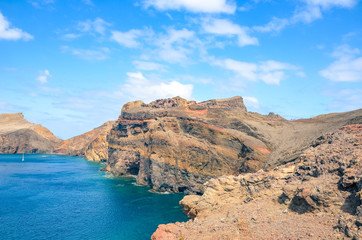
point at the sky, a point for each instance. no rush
(70, 65)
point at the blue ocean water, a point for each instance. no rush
(61, 197)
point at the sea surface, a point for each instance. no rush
(61, 197)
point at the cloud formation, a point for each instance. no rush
(97, 25)
(12, 33)
(175, 45)
(346, 68)
(199, 6)
(127, 39)
(44, 76)
(270, 72)
(309, 11)
(251, 102)
(227, 28)
(88, 54)
(138, 87)
(149, 66)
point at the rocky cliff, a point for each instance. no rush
(176, 145)
(92, 145)
(319, 196)
(17, 135)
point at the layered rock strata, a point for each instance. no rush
(318, 196)
(176, 145)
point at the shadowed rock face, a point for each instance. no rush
(176, 145)
(17, 135)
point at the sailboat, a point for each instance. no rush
(22, 158)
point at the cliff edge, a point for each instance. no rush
(319, 196)
(177, 145)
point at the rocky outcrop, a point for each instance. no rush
(17, 135)
(92, 145)
(318, 196)
(176, 145)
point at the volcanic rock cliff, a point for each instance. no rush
(92, 145)
(177, 145)
(17, 135)
(319, 196)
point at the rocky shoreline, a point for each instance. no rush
(177, 145)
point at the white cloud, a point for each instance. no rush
(225, 27)
(149, 66)
(172, 46)
(11, 33)
(88, 54)
(306, 14)
(44, 76)
(98, 25)
(203, 6)
(175, 46)
(127, 39)
(313, 9)
(138, 87)
(310, 11)
(271, 72)
(331, 3)
(275, 25)
(347, 67)
(252, 102)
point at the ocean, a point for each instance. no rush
(62, 197)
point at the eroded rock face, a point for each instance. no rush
(92, 145)
(17, 135)
(320, 193)
(176, 145)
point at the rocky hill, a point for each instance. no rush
(319, 196)
(17, 135)
(177, 145)
(92, 145)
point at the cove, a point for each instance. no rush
(62, 197)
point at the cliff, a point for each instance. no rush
(92, 145)
(177, 145)
(319, 196)
(17, 135)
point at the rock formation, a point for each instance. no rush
(17, 135)
(318, 196)
(177, 145)
(92, 145)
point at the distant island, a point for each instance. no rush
(248, 175)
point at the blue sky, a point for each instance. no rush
(70, 65)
